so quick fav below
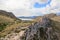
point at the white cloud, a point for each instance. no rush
(22, 12)
(13, 4)
(25, 7)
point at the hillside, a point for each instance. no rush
(45, 27)
(8, 14)
(6, 20)
(47, 15)
(9, 23)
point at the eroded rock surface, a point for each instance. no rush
(41, 31)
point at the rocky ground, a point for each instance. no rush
(42, 30)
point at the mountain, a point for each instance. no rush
(30, 17)
(58, 13)
(6, 20)
(9, 23)
(45, 27)
(8, 14)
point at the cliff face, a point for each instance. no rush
(41, 31)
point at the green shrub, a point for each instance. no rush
(3, 25)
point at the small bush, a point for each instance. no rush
(3, 25)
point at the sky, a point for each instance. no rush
(30, 7)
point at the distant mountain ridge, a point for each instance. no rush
(30, 17)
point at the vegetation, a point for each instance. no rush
(7, 25)
(10, 24)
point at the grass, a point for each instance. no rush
(10, 28)
(7, 25)
(56, 23)
(5, 21)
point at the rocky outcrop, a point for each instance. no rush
(41, 31)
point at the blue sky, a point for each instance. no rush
(30, 7)
(41, 5)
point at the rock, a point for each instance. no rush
(13, 36)
(40, 31)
